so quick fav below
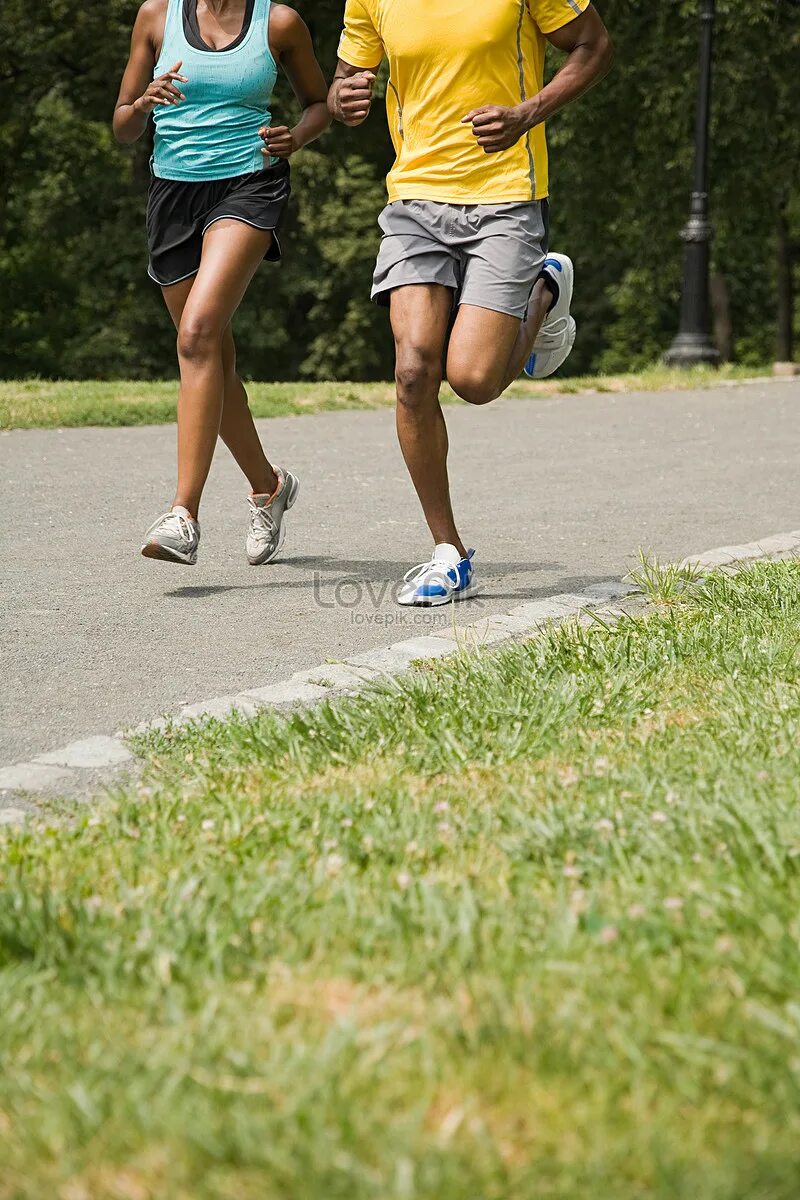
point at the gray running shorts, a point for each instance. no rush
(489, 254)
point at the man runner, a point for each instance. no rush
(463, 262)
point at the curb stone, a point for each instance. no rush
(95, 761)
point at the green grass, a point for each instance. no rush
(524, 927)
(42, 404)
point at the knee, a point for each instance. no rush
(473, 385)
(199, 338)
(418, 375)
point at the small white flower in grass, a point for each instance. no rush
(441, 806)
(369, 805)
(648, 712)
(333, 864)
(331, 844)
(404, 880)
(411, 847)
(571, 871)
(658, 818)
(604, 825)
(608, 934)
(181, 818)
(636, 912)
(673, 903)
(347, 823)
(208, 823)
(443, 827)
(93, 822)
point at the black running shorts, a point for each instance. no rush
(179, 213)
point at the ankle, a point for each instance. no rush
(266, 485)
(192, 507)
(451, 539)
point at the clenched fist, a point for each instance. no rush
(496, 128)
(352, 98)
(279, 140)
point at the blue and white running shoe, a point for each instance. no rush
(445, 578)
(556, 338)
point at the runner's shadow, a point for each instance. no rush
(323, 574)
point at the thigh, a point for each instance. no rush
(414, 249)
(481, 344)
(232, 253)
(420, 315)
(503, 257)
(175, 298)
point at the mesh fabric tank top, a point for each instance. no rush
(213, 133)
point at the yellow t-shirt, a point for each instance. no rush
(447, 57)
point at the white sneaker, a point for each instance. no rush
(266, 532)
(174, 537)
(445, 578)
(556, 338)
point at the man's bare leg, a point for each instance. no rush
(489, 349)
(420, 322)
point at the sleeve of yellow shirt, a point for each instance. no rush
(551, 15)
(360, 43)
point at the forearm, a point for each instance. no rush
(585, 67)
(314, 121)
(129, 123)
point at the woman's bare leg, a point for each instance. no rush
(237, 429)
(232, 251)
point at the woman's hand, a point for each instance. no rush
(162, 91)
(279, 141)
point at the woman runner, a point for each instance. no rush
(206, 70)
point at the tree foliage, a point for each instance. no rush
(75, 300)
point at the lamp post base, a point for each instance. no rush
(692, 350)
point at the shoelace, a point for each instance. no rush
(262, 523)
(176, 524)
(435, 564)
(551, 332)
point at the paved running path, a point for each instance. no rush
(556, 494)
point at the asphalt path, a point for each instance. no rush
(555, 494)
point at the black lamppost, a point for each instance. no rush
(694, 343)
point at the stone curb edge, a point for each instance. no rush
(91, 759)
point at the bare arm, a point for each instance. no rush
(350, 97)
(590, 55)
(139, 93)
(295, 52)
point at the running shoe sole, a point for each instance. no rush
(163, 554)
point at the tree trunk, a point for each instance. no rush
(785, 339)
(721, 314)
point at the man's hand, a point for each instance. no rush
(162, 91)
(497, 128)
(279, 140)
(351, 98)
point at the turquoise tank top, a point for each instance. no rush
(213, 133)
